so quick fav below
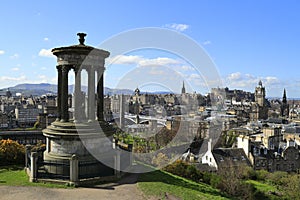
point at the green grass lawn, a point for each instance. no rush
(16, 176)
(267, 189)
(157, 183)
(263, 187)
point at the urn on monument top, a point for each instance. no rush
(80, 53)
(81, 38)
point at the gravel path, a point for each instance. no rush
(126, 189)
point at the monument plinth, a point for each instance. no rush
(68, 137)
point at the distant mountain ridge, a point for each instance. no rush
(28, 89)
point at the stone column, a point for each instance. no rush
(77, 95)
(59, 71)
(91, 94)
(122, 115)
(33, 164)
(100, 95)
(64, 94)
(117, 166)
(27, 151)
(74, 170)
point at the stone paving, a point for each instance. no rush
(126, 189)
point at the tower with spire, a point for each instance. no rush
(260, 94)
(183, 88)
(284, 105)
(260, 107)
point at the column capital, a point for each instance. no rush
(90, 68)
(77, 68)
(65, 68)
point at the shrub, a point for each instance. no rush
(261, 175)
(246, 173)
(232, 182)
(206, 177)
(193, 173)
(185, 170)
(160, 160)
(39, 147)
(177, 168)
(214, 180)
(277, 178)
(11, 152)
(291, 186)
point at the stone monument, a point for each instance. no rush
(75, 138)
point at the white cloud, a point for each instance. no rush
(177, 27)
(46, 39)
(53, 80)
(249, 82)
(15, 56)
(2, 52)
(46, 53)
(158, 61)
(140, 61)
(187, 68)
(8, 78)
(43, 68)
(234, 76)
(15, 69)
(207, 42)
(157, 72)
(123, 59)
(194, 76)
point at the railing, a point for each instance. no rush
(91, 169)
(75, 170)
(53, 169)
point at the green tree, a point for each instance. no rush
(291, 186)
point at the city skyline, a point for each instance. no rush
(248, 41)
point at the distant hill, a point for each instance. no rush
(28, 89)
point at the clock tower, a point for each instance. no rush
(260, 94)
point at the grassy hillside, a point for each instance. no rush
(16, 176)
(158, 183)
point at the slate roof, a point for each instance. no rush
(230, 157)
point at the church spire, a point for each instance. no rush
(284, 97)
(183, 88)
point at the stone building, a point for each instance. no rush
(220, 158)
(259, 109)
(27, 116)
(283, 157)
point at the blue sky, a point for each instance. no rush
(247, 40)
